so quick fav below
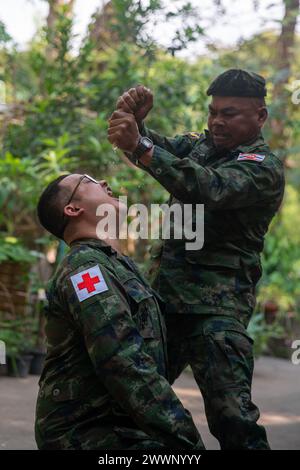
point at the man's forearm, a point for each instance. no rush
(146, 158)
(180, 145)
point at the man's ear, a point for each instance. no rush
(72, 210)
(262, 115)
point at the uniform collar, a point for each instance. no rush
(258, 141)
(95, 242)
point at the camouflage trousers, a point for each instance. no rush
(101, 437)
(219, 352)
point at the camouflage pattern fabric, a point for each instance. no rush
(210, 292)
(104, 382)
(240, 197)
(219, 352)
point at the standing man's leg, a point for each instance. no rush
(178, 355)
(220, 353)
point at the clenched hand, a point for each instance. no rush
(137, 101)
(123, 131)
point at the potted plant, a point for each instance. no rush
(262, 333)
(15, 263)
(18, 347)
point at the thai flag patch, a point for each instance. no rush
(250, 156)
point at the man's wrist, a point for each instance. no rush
(141, 126)
(144, 144)
(146, 158)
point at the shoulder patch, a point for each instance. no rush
(251, 156)
(88, 283)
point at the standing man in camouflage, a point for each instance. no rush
(210, 293)
(103, 386)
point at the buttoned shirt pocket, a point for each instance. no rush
(215, 258)
(210, 280)
(69, 390)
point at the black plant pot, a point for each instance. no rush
(19, 366)
(37, 363)
(3, 370)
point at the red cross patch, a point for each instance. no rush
(88, 283)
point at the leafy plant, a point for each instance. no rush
(281, 257)
(261, 333)
(59, 99)
(12, 250)
(18, 335)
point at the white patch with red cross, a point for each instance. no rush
(88, 283)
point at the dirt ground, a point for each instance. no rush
(276, 390)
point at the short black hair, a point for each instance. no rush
(50, 206)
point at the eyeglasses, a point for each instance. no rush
(65, 223)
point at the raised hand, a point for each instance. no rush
(137, 101)
(123, 131)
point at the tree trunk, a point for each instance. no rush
(287, 37)
(54, 6)
(101, 33)
(286, 52)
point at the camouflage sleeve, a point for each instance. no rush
(234, 184)
(180, 145)
(118, 354)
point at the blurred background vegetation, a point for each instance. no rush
(55, 100)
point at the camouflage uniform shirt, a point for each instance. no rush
(241, 191)
(103, 385)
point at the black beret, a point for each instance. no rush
(238, 82)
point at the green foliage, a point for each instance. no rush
(12, 250)
(21, 182)
(281, 257)
(61, 99)
(261, 333)
(13, 340)
(16, 185)
(62, 125)
(18, 335)
(131, 20)
(4, 36)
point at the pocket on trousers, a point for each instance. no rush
(230, 359)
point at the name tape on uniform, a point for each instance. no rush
(88, 283)
(251, 156)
